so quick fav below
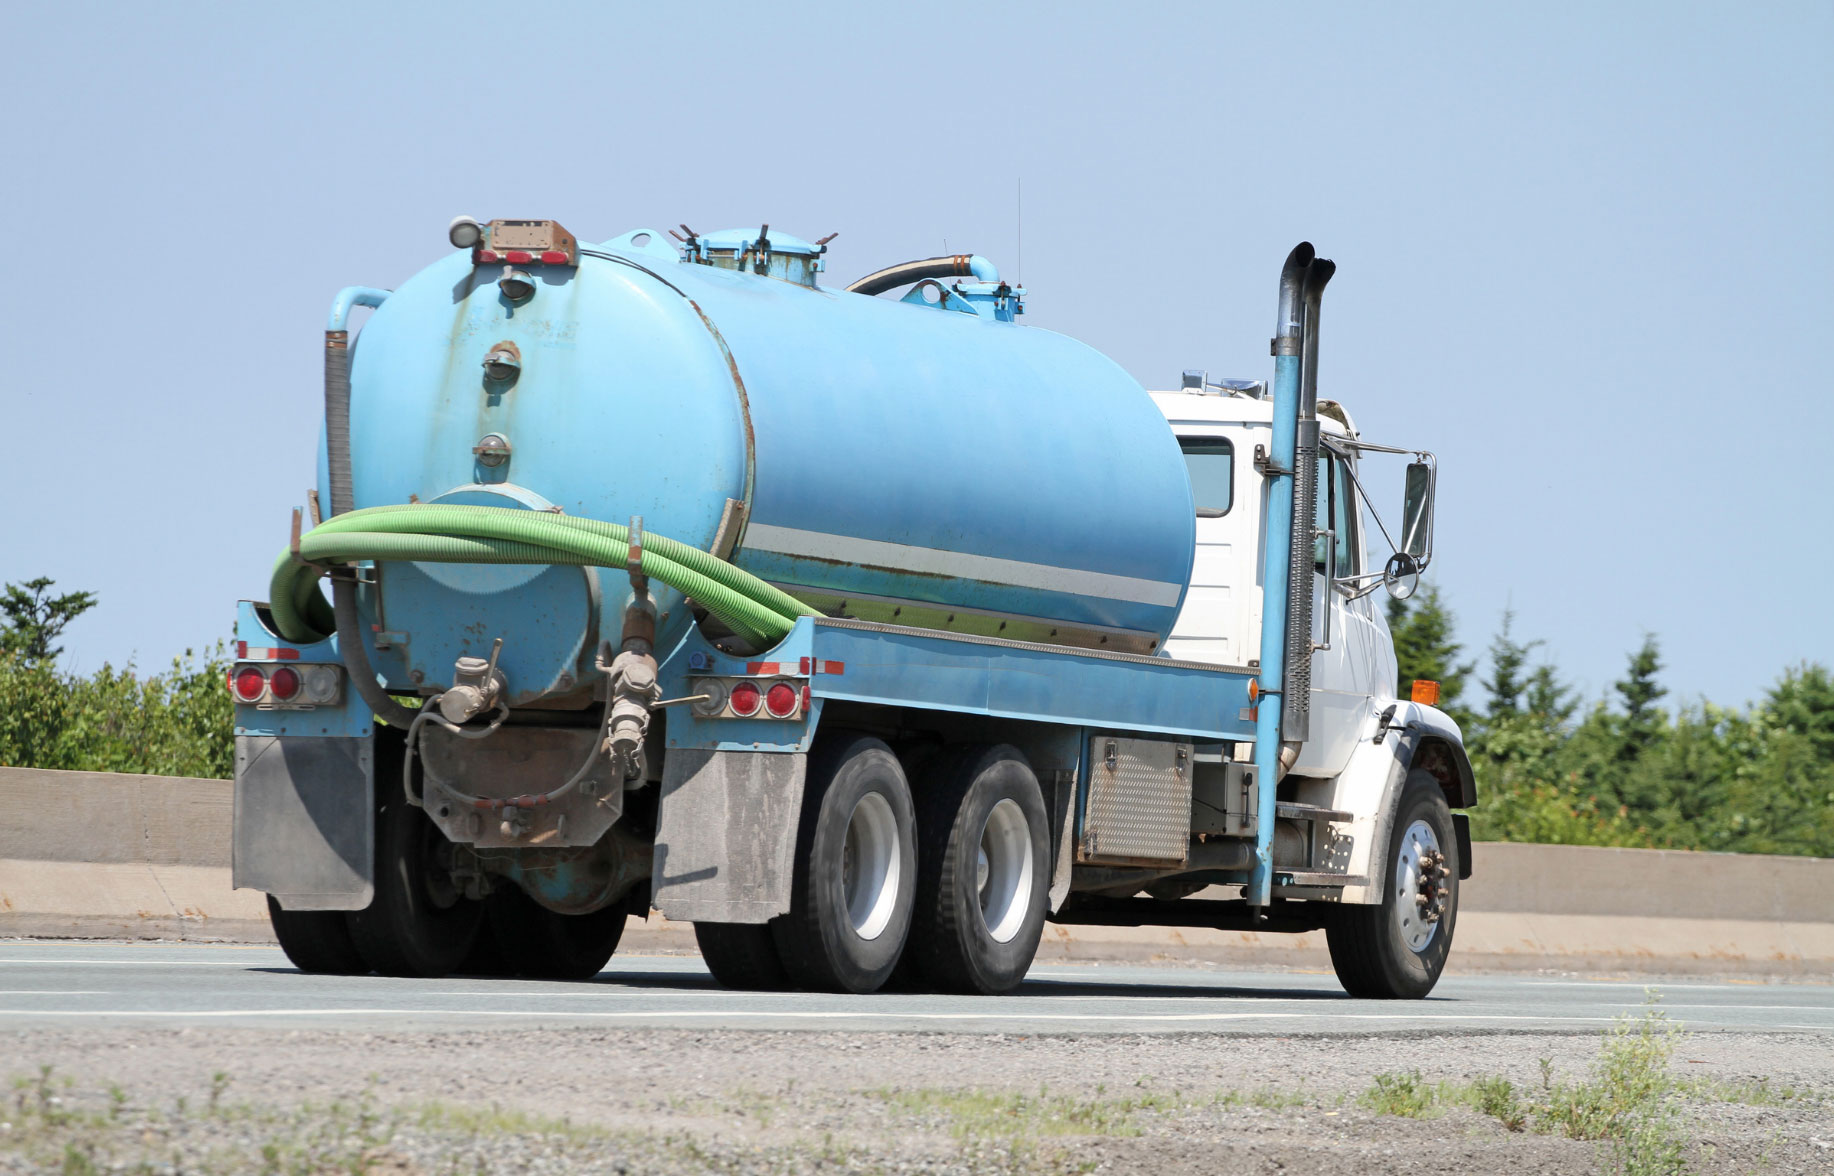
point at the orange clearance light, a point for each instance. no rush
(1426, 692)
(1254, 690)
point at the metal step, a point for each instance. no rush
(1310, 812)
(1317, 878)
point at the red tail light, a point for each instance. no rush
(283, 683)
(249, 683)
(780, 700)
(745, 699)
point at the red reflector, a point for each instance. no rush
(485, 257)
(250, 683)
(805, 698)
(802, 665)
(518, 257)
(780, 700)
(555, 257)
(745, 699)
(241, 649)
(284, 683)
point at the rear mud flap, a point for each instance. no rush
(305, 821)
(726, 835)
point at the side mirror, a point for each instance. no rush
(1401, 576)
(1417, 516)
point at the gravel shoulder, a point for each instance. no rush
(674, 1101)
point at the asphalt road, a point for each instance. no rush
(62, 983)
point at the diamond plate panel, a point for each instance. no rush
(1138, 809)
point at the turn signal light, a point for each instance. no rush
(1426, 692)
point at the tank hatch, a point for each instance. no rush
(758, 251)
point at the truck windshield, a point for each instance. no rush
(1211, 463)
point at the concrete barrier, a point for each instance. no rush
(90, 854)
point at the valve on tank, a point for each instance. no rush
(476, 686)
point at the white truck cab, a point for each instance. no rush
(1353, 668)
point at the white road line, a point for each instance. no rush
(54, 992)
(144, 963)
(1640, 984)
(812, 1015)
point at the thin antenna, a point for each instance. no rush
(1021, 266)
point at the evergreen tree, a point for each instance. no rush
(1802, 702)
(34, 619)
(1643, 723)
(1508, 660)
(1422, 630)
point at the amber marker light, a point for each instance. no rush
(1426, 692)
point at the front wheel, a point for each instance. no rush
(1397, 947)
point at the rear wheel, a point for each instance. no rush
(741, 955)
(855, 870)
(316, 941)
(542, 945)
(1397, 948)
(419, 924)
(983, 877)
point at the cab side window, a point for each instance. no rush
(1335, 510)
(1210, 461)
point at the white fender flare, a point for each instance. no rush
(1410, 737)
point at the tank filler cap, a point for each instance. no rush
(759, 251)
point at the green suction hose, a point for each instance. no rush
(449, 533)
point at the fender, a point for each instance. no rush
(1413, 737)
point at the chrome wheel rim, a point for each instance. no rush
(1420, 889)
(871, 864)
(1004, 871)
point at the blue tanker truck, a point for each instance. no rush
(866, 634)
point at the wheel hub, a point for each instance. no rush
(1421, 891)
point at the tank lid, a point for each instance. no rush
(759, 251)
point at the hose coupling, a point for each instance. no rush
(476, 686)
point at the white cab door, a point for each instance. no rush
(1343, 673)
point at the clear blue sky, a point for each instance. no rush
(1584, 253)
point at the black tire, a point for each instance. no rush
(824, 943)
(1369, 948)
(316, 941)
(742, 955)
(542, 945)
(951, 943)
(417, 925)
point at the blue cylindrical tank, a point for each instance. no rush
(898, 461)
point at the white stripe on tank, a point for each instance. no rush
(933, 561)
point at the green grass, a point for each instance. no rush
(1631, 1101)
(993, 1114)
